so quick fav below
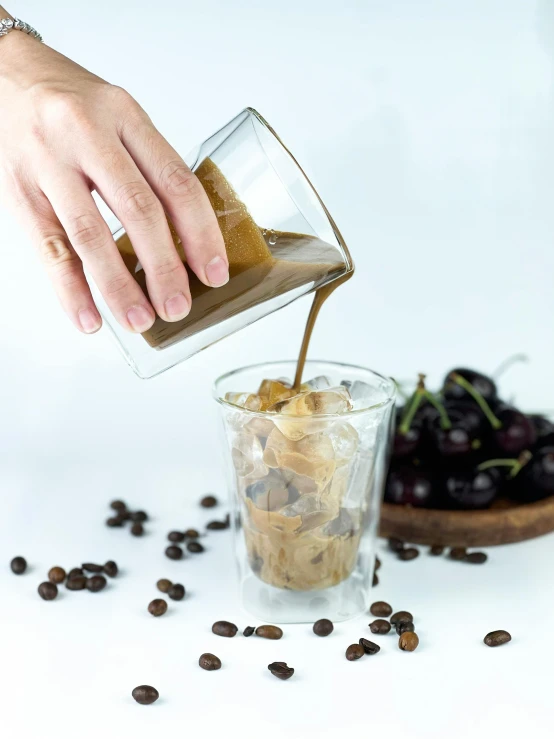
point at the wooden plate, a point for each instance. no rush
(504, 523)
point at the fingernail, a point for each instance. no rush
(139, 318)
(177, 307)
(90, 320)
(217, 272)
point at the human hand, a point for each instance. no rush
(65, 132)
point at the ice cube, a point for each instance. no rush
(245, 400)
(312, 456)
(364, 395)
(312, 512)
(272, 391)
(321, 382)
(342, 525)
(272, 492)
(317, 402)
(247, 454)
(345, 441)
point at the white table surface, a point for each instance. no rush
(429, 129)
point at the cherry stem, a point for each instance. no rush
(445, 421)
(478, 398)
(413, 405)
(515, 464)
(507, 363)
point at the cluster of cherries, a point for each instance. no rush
(464, 446)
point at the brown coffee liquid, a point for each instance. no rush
(262, 265)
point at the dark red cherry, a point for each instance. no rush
(453, 442)
(473, 490)
(517, 433)
(481, 383)
(543, 427)
(468, 413)
(408, 485)
(536, 479)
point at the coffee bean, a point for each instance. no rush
(139, 516)
(369, 647)
(401, 616)
(380, 608)
(436, 550)
(375, 580)
(176, 592)
(111, 569)
(403, 626)
(118, 505)
(379, 626)
(209, 662)
(323, 627)
(157, 607)
(208, 501)
(48, 590)
(458, 553)
(476, 558)
(281, 670)
(497, 638)
(191, 534)
(56, 575)
(164, 585)
(408, 641)
(96, 583)
(397, 545)
(18, 565)
(377, 563)
(77, 582)
(137, 529)
(115, 521)
(354, 651)
(195, 547)
(269, 632)
(176, 536)
(407, 554)
(224, 628)
(89, 567)
(174, 552)
(217, 525)
(124, 515)
(249, 630)
(75, 572)
(145, 695)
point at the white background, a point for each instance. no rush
(428, 128)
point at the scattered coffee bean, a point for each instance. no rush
(137, 529)
(139, 516)
(354, 651)
(118, 505)
(403, 626)
(48, 590)
(18, 565)
(497, 638)
(401, 616)
(323, 627)
(436, 550)
(208, 501)
(195, 547)
(380, 608)
(408, 641)
(224, 628)
(77, 582)
(145, 695)
(209, 662)
(249, 630)
(377, 563)
(369, 647)
(476, 558)
(375, 580)
(164, 585)
(115, 521)
(191, 534)
(111, 569)
(96, 583)
(281, 670)
(75, 572)
(176, 592)
(269, 632)
(217, 525)
(176, 536)
(458, 553)
(124, 515)
(174, 552)
(397, 545)
(379, 626)
(157, 607)
(407, 554)
(89, 567)
(56, 575)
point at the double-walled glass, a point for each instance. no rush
(280, 239)
(306, 494)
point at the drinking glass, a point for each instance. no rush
(306, 492)
(271, 190)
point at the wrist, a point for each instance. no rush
(12, 45)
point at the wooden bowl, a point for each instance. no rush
(504, 523)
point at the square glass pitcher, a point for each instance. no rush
(281, 244)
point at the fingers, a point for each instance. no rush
(182, 196)
(124, 189)
(91, 239)
(62, 264)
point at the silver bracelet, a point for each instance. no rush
(7, 25)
